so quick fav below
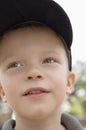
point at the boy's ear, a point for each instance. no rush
(2, 94)
(70, 82)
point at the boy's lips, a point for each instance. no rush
(35, 91)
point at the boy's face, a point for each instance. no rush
(34, 76)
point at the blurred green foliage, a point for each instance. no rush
(75, 107)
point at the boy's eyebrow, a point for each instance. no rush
(48, 52)
(5, 58)
(10, 56)
(52, 52)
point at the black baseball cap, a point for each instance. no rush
(48, 12)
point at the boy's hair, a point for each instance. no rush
(14, 14)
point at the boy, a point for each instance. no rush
(35, 64)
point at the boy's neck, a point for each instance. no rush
(52, 123)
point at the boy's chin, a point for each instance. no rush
(40, 114)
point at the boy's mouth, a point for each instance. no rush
(35, 91)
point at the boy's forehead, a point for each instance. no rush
(32, 31)
(33, 34)
(29, 30)
(45, 39)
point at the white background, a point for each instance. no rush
(76, 10)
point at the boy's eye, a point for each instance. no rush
(49, 60)
(14, 65)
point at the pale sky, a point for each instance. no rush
(76, 10)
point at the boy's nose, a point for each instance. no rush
(34, 74)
